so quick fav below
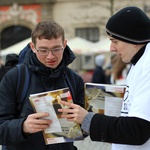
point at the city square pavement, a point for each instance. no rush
(87, 144)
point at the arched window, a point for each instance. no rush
(13, 34)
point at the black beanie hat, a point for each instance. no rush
(130, 25)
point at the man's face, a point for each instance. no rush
(125, 50)
(50, 59)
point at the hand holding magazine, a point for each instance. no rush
(60, 130)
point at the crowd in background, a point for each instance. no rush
(114, 73)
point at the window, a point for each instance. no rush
(13, 34)
(91, 34)
(146, 8)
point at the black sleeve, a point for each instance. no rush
(10, 127)
(120, 130)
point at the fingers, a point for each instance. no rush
(74, 113)
(71, 105)
(67, 115)
(35, 123)
(71, 113)
(37, 128)
(66, 110)
(39, 115)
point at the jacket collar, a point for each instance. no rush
(138, 55)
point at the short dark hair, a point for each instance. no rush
(47, 29)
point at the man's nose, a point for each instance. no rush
(50, 54)
(112, 48)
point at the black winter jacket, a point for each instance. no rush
(42, 79)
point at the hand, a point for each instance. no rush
(34, 123)
(74, 113)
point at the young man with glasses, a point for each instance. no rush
(47, 59)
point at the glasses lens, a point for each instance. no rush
(57, 51)
(53, 51)
(43, 52)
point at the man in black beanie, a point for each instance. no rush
(129, 32)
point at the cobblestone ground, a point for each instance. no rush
(87, 144)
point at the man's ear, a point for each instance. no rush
(65, 43)
(32, 47)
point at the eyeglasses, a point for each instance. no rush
(54, 51)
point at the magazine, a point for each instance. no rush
(60, 130)
(104, 98)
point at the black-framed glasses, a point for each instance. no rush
(54, 51)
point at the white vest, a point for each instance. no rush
(137, 97)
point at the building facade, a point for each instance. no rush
(83, 18)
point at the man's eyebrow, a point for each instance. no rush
(111, 39)
(42, 47)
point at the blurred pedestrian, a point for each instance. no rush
(99, 74)
(119, 72)
(108, 70)
(10, 62)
